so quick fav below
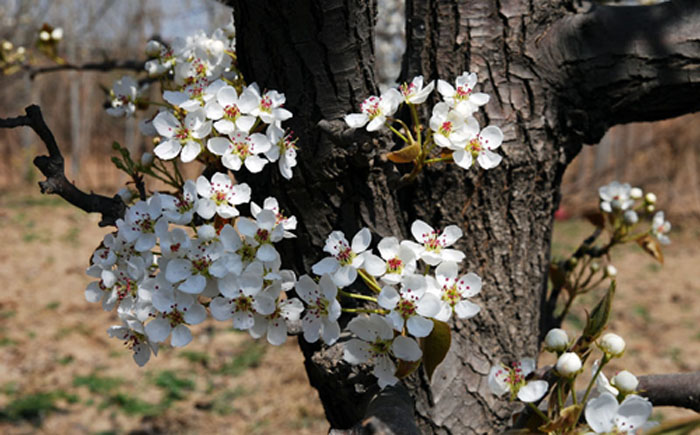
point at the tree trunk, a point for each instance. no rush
(320, 54)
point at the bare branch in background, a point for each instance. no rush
(106, 66)
(52, 166)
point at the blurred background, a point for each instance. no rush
(60, 373)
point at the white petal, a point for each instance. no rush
(158, 330)
(495, 381)
(220, 308)
(361, 240)
(491, 137)
(533, 391)
(331, 331)
(177, 270)
(406, 348)
(466, 309)
(277, 332)
(488, 159)
(195, 314)
(450, 235)
(243, 320)
(193, 285)
(388, 298)
(429, 305)
(255, 164)
(633, 413)
(312, 327)
(345, 276)
(168, 150)
(356, 120)
(166, 124)
(462, 158)
(190, 151)
(600, 413)
(181, 336)
(356, 351)
(419, 326)
(374, 265)
(421, 231)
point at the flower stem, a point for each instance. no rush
(370, 281)
(357, 296)
(363, 310)
(439, 159)
(396, 132)
(538, 412)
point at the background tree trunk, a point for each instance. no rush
(320, 54)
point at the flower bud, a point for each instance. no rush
(21, 50)
(595, 266)
(612, 344)
(650, 208)
(556, 340)
(568, 364)
(44, 35)
(630, 217)
(146, 159)
(636, 193)
(125, 194)
(650, 198)
(6, 45)
(57, 34)
(610, 271)
(625, 381)
(153, 48)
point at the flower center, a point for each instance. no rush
(394, 265)
(451, 295)
(232, 112)
(247, 252)
(371, 107)
(446, 128)
(344, 255)
(406, 308)
(243, 303)
(407, 89)
(219, 197)
(182, 133)
(380, 346)
(462, 93)
(262, 236)
(266, 104)
(474, 147)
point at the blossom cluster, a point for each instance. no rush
(206, 108)
(452, 125)
(616, 407)
(408, 300)
(624, 204)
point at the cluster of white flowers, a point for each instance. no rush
(622, 200)
(452, 125)
(617, 408)
(206, 109)
(407, 300)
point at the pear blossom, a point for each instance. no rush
(615, 197)
(274, 325)
(181, 137)
(556, 340)
(262, 233)
(230, 111)
(433, 244)
(269, 105)
(139, 223)
(242, 298)
(176, 311)
(239, 149)
(283, 150)
(479, 146)
(414, 92)
(134, 337)
(322, 309)
(625, 381)
(604, 414)
(612, 344)
(602, 384)
(220, 196)
(660, 227)
(375, 110)
(202, 262)
(289, 224)
(568, 364)
(449, 127)
(180, 209)
(462, 97)
(399, 258)
(503, 379)
(124, 96)
(193, 95)
(453, 292)
(346, 258)
(411, 307)
(377, 344)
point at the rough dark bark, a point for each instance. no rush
(320, 54)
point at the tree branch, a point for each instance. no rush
(613, 65)
(678, 389)
(105, 66)
(52, 166)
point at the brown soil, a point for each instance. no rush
(53, 342)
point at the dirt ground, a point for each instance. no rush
(61, 373)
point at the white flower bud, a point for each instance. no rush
(57, 34)
(650, 198)
(630, 217)
(650, 208)
(595, 266)
(125, 194)
(625, 381)
(44, 35)
(21, 50)
(154, 68)
(610, 271)
(556, 340)
(612, 344)
(146, 159)
(153, 48)
(7, 45)
(636, 193)
(568, 364)
(206, 232)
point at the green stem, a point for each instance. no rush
(590, 385)
(363, 310)
(357, 296)
(538, 412)
(560, 399)
(416, 123)
(369, 280)
(439, 159)
(396, 132)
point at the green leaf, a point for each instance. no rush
(118, 163)
(435, 346)
(679, 426)
(405, 368)
(116, 146)
(598, 319)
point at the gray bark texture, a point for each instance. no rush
(559, 74)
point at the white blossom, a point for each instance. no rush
(462, 97)
(433, 244)
(604, 414)
(660, 227)
(375, 110)
(322, 309)
(181, 138)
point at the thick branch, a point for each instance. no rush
(678, 389)
(614, 65)
(52, 166)
(105, 66)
